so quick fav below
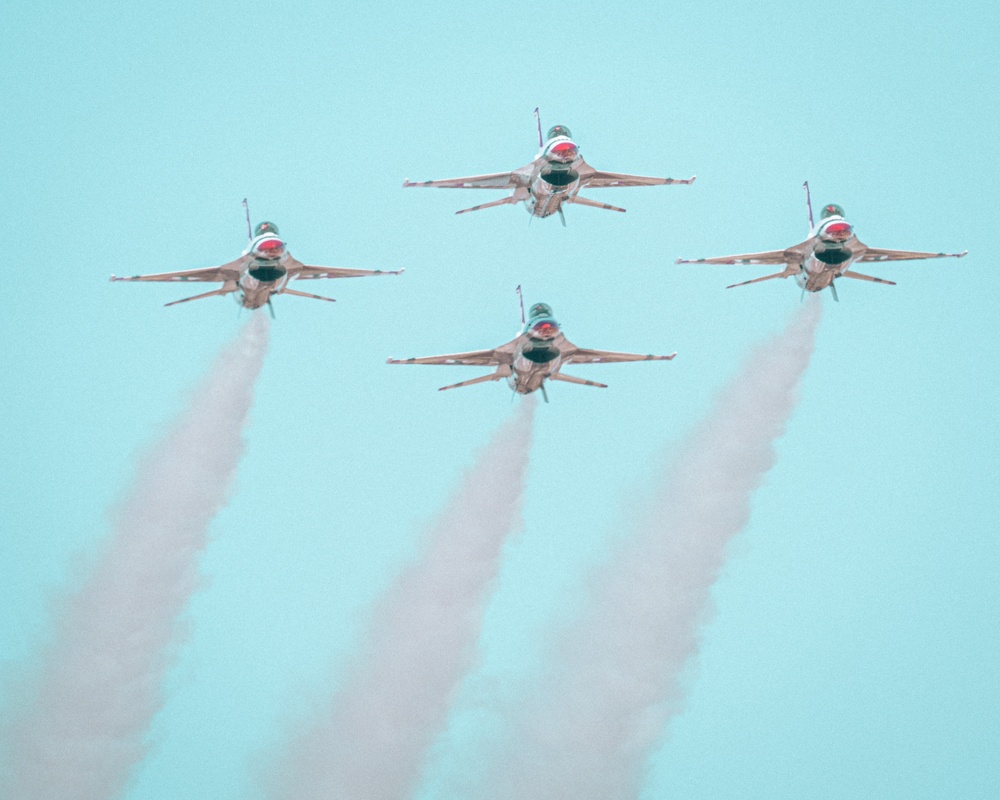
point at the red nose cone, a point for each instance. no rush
(271, 246)
(545, 329)
(564, 149)
(838, 230)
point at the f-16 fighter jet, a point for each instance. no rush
(265, 269)
(555, 177)
(537, 354)
(828, 254)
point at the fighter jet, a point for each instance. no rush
(537, 354)
(828, 254)
(265, 269)
(555, 177)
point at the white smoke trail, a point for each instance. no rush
(372, 742)
(615, 679)
(78, 732)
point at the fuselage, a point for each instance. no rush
(265, 275)
(538, 353)
(555, 178)
(833, 247)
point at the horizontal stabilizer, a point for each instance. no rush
(585, 201)
(493, 376)
(785, 274)
(215, 293)
(506, 201)
(859, 277)
(297, 293)
(559, 376)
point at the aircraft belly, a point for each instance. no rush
(819, 275)
(256, 293)
(529, 376)
(546, 199)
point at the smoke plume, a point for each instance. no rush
(615, 677)
(371, 743)
(78, 730)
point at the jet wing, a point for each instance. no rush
(790, 255)
(519, 178)
(581, 355)
(878, 254)
(225, 272)
(299, 271)
(475, 358)
(590, 177)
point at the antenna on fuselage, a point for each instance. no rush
(520, 299)
(538, 123)
(809, 206)
(246, 208)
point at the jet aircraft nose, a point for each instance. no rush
(270, 247)
(564, 150)
(545, 329)
(837, 231)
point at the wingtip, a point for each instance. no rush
(963, 254)
(113, 278)
(680, 261)
(692, 179)
(672, 356)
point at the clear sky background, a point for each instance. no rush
(854, 643)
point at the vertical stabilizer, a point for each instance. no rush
(520, 299)
(809, 206)
(538, 124)
(246, 210)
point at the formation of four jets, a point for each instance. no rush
(552, 180)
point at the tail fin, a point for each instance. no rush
(584, 201)
(246, 209)
(859, 277)
(506, 201)
(538, 123)
(785, 274)
(559, 376)
(214, 293)
(520, 299)
(297, 293)
(493, 376)
(809, 206)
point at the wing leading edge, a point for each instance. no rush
(474, 358)
(220, 274)
(596, 179)
(879, 254)
(518, 178)
(299, 271)
(583, 355)
(790, 255)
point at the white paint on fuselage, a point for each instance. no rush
(255, 293)
(817, 275)
(544, 199)
(526, 375)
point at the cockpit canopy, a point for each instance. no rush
(540, 310)
(831, 210)
(266, 227)
(559, 130)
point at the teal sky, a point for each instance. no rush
(853, 645)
